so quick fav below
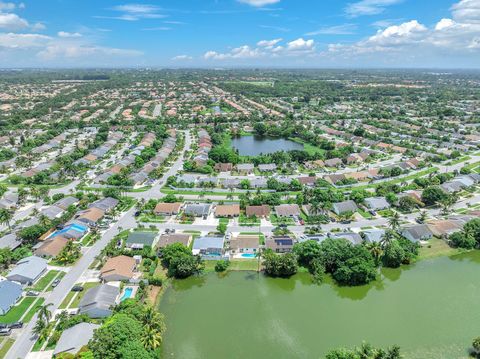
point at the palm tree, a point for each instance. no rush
(375, 249)
(151, 338)
(387, 238)
(422, 217)
(259, 255)
(394, 221)
(44, 313)
(6, 217)
(39, 327)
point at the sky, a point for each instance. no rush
(240, 33)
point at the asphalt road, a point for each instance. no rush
(26, 339)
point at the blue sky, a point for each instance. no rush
(229, 33)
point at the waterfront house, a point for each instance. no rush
(74, 339)
(280, 244)
(139, 239)
(118, 268)
(245, 244)
(417, 232)
(170, 238)
(98, 302)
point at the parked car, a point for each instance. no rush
(5, 331)
(55, 283)
(15, 325)
(32, 293)
(77, 288)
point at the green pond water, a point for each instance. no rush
(431, 309)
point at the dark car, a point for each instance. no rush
(3, 326)
(137, 213)
(346, 222)
(16, 325)
(77, 288)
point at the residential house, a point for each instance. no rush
(376, 203)
(308, 181)
(106, 204)
(333, 162)
(51, 247)
(373, 235)
(170, 238)
(167, 209)
(245, 244)
(228, 210)
(91, 216)
(417, 232)
(139, 239)
(209, 247)
(223, 167)
(66, 202)
(27, 270)
(258, 211)
(443, 228)
(280, 244)
(98, 302)
(288, 210)
(344, 207)
(11, 293)
(245, 168)
(10, 241)
(269, 167)
(118, 268)
(197, 209)
(74, 339)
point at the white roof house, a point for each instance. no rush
(27, 270)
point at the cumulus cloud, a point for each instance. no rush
(12, 22)
(268, 43)
(466, 11)
(66, 34)
(265, 49)
(7, 6)
(368, 7)
(259, 3)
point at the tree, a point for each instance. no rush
(222, 228)
(151, 337)
(44, 312)
(284, 265)
(172, 251)
(6, 217)
(69, 254)
(422, 217)
(433, 195)
(462, 240)
(394, 221)
(366, 351)
(393, 255)
(6, 257)
(306, 252)
(114, 334)
(376, 250)
(476, 345)
(260, 128)
(185, 265)
(221, 266)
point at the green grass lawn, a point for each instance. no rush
(223, 221)
(243, 220)
(151, 218)
(33, 309)
(460, 160)
(44, 281)
(86, 287)
(365, 214)
(436, 247)
(281, 220)
(15, 313)
(235, 265)
(59, 276)
(7, 344)
(67, 300)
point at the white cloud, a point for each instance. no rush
(12, 22)
(65, 34)
(182, 58)
(7, 6)
(444, 24)
(268, 43)
(345, 29)
(158, 28)
(259, 3)
(23, 41)
(301, 45)
(134, 12)
(368, 7)
(466, 11)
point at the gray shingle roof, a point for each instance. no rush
(74, 338)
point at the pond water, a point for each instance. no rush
(431, 309)
(254, 145)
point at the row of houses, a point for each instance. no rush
(204, 147)
(161, 156)
(101, 151)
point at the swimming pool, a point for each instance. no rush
(248, 255)
(127, 294)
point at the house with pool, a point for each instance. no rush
(209, 247)
(244, 246)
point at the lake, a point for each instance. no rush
(430, 309)
(254, 145)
